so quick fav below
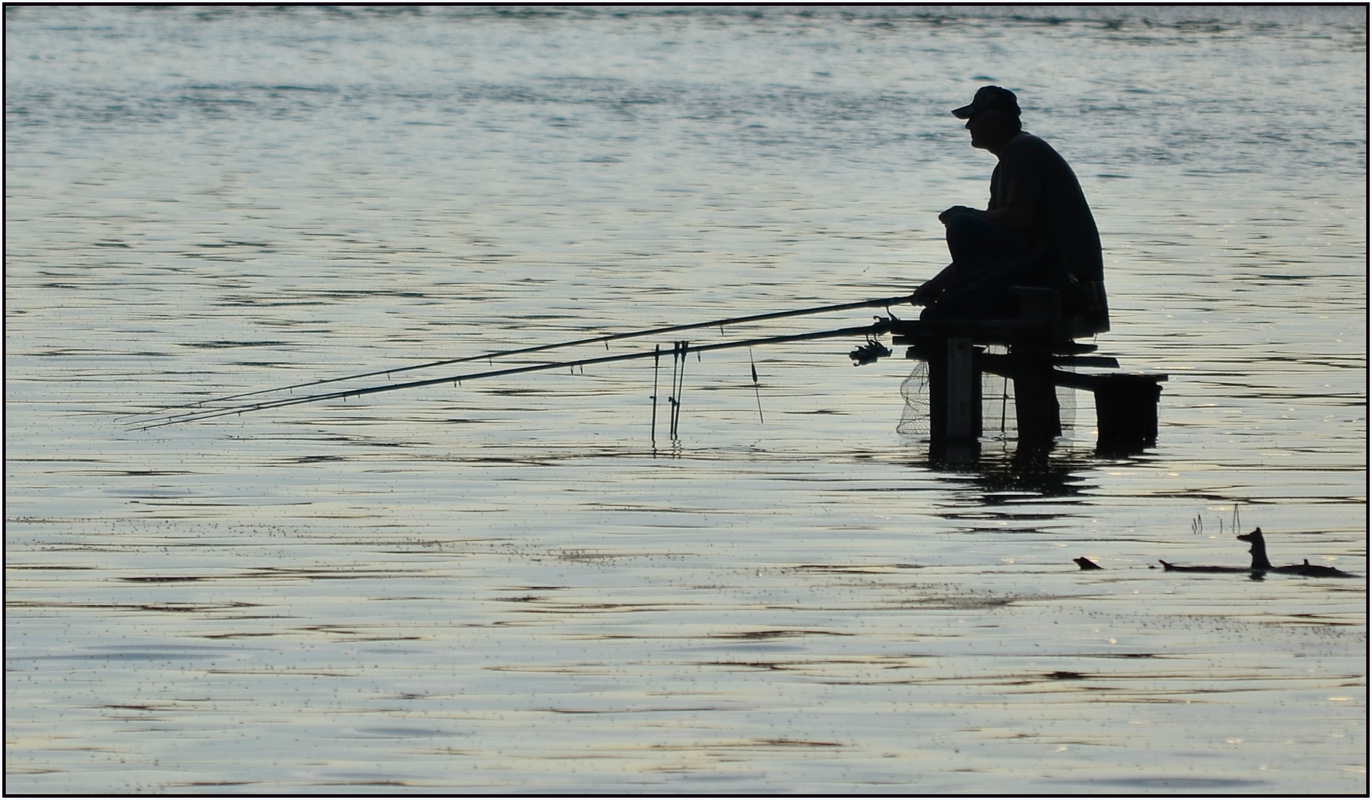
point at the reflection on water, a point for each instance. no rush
(503, 585)
(1016, 471)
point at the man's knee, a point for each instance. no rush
(978, 243)
(968, 229)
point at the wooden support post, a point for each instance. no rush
(1036, 399)
(964, 391)
(954, 391)
(1126, 412)
(936, 356)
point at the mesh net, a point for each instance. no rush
(914, 419)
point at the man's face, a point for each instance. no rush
(985, 127)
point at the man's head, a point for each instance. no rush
(990, 98)
(992, 117)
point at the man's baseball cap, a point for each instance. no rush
(990, 98)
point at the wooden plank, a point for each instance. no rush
(1091, 381)
(1104, 362)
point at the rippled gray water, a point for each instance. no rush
(503, 585)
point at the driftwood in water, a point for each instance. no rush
(1261, 565)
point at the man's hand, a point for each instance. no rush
(934, 287)
(954, 211)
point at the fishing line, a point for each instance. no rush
(671, 394)
(680, 389)
(756, 391)
(678, 383)
(652, 431)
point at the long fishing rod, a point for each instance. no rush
(880, 302)
(875, 328)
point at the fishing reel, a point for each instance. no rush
(869, 353)
(873, 349)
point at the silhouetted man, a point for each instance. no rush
(1037, 229)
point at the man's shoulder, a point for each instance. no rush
(1026, 147)
(1027, 142)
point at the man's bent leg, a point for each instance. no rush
(984, 256)
(978, 245)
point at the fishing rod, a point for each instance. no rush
(872, 329)
(881, 302)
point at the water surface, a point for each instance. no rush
(507, 585)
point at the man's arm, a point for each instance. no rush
(934, 287)
(1017, 217)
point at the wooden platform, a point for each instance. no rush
(1040, 343)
